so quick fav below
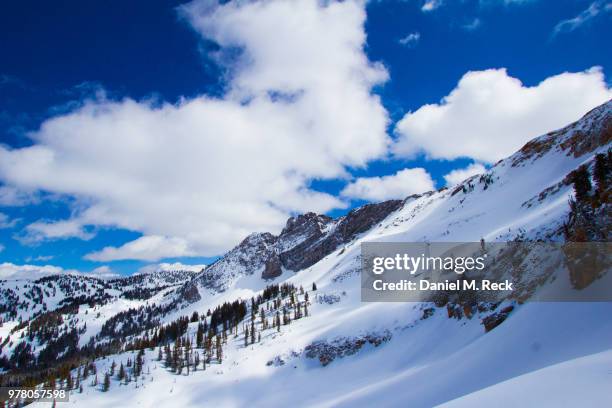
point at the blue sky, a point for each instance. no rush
(82, 60)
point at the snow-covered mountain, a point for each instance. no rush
(279, 320)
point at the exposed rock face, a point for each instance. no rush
(357, 221)
(249, 256)
(326, 352)
(272, 269)
(492, 321)
(190, 293)
(302, 228)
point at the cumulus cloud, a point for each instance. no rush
(197, 176)
(39, 231)
(411, 40)
(490, 114)
(595, 9)
(10, 271)
(147, 248)
(458, 175)
(399, 185)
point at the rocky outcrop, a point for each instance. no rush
(326, 352)
(307, 227)
(359, 220)
(272, 269)
(492, 321)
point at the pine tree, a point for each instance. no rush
(582, 183)
(314, 286)
(121, 373)
(219, 350)
(106, 384)
(601, 171)
(200, 336)
(246, 336)
(252, 331)
(159, 355)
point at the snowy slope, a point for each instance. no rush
(399, 354)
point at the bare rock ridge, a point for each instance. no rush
(305, 240)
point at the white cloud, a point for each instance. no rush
(9, 271)
(6, 222)
(490, 115)
(430, 5)
(196, 177)
(177, 266)
(411, 40)
(399, 185)
(595, 9)
(146, 248)
(39, 231)
(458, 175)
(13, 197)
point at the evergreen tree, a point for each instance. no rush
(582, 183)
(314, 286)
(106, 384)
(121, 373)
(200, 336)
(219, 350)
(601, 171)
